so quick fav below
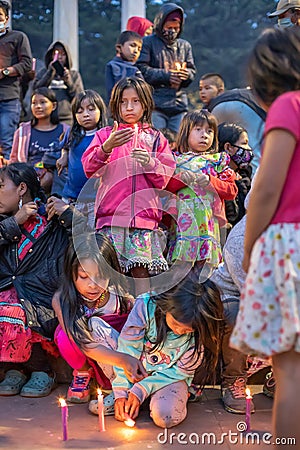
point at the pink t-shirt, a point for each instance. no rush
(284, 113)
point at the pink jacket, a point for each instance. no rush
(19, 151)
(128, 195)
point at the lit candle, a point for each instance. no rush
(33, 64)
(248, 409)
(100, 411)
(129, 422)
(135, 137)
(64, 418)
(177, 65)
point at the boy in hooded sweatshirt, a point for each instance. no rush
(59, 76)
(167, 64)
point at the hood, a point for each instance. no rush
(161, 16)
(138, 24)
(48, 55)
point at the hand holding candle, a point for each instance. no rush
(64, 418)
(248, 409)
(129, 422)
(100, 411)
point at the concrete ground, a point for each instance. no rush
(35, 424)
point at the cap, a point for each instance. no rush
(175, 15)
(283, 6)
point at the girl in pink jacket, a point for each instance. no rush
(134, 162)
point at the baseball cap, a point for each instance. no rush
(283, 6)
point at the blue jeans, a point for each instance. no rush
(10, 111)
(161, 120)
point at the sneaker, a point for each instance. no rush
(39, 385)
(109, 405)
(80, 390)
(13, 382)
(234, 397)
(256, 364)
(195, 393)
(269, 385)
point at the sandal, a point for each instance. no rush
(109, 405)
(13, 382)
(39, 385)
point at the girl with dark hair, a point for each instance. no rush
(39, 142)
(89, 114)
(134, 162)
(268, 322)
(203, 181)
(234, 140)
(91, 305)
(172, 334)
(32, 248)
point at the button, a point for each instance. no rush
(30, 323)
(15, 238)
(13, 277)
(62, 221)
(30, 250)
(22, 300)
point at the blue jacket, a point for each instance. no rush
(116, 69)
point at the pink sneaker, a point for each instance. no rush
(79, 391)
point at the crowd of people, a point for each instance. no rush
(135, 241)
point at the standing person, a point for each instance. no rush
(91, 297)
(268, 321)
(59, 76)
(39, 141)
(15, 60)
(287, 13)
(203, 181)
(128, 49)
(89, 115)
(134, 162)
(140, 25)
(32, 249)
(167, 64)
(172, 334)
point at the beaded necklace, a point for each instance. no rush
(101, 301)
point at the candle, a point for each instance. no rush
(248, 409)
(129, 422)
(64, 418)
(100, 411)
(33, 64)
(177, 65)
(135, 137)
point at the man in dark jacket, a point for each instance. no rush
(167, 64)
(15, 60)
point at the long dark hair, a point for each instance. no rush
(98, 247)
(50, 95)
(190, 121)
(199, 306)
(77, 132)
(24, 173)
(229, 132)
(144, 92)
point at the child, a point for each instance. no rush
(203, 181)
(233, 139)
(128, 49)
(172, 334)
(89, 114)
(39, 142)
(210, 86)
(140, 25)
(32, 249)
(92, 297)
(268, 321)
(134, 162)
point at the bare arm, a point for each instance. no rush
(278, 152)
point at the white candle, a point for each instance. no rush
(135, 136)
(33, 64)
(248, 409)
(129, 422)
(100, 411)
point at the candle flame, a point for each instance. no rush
(62, 402)
(129, 422)
(99, 392)
(248, 393)
(177, 65)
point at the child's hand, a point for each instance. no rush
(120, 409)
(183, 73)
(141, 155)
(55, 206)
(117, 138)
(27, 210)
(188, 177)
(67, 76)
(62, 162)
(132, 406)
(175, 80)
(202, 180)
(133, 368)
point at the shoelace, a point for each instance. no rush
(238, 388)
(80, 381)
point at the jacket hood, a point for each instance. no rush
(138, 24)
(161, 16)
(48, 55)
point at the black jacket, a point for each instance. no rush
(157, 57)
(36, 277)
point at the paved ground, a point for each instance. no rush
(35, 424)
